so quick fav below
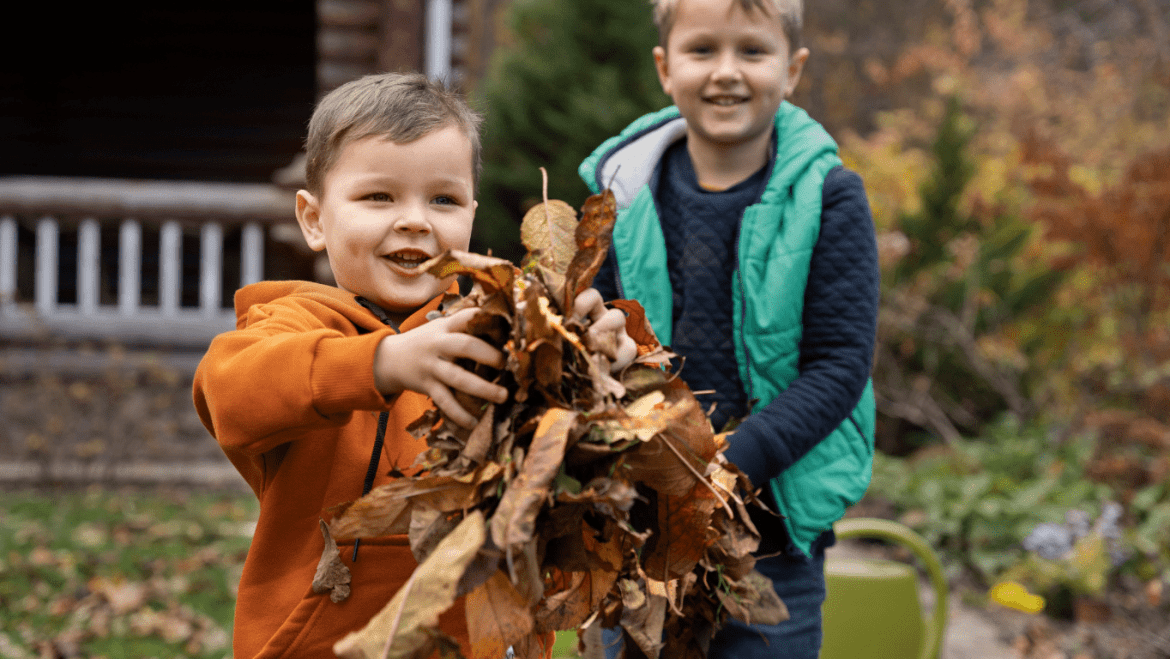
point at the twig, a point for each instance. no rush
(688, 465)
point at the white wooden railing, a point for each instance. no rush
(48, 204)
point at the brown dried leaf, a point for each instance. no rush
(637, 325)
(497, 616)
(593, 235)
(386, 509)
(607, 495)
(575, 595)
(683, 536)
(656, 465)
(480, 439)
(428, 526)
(548, 231)
(491, 273)
(754, 601)
(514, 520)
(642, 617)
(406, 627)
(332, 575)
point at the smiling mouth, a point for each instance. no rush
(407, 259)
(726, 101)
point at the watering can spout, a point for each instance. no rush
(872, 608)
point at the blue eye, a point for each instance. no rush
(378, 196)
(444, 200)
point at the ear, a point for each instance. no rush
(795, 67)
(663, 69)
(309, 217)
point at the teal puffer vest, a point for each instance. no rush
(775, 245)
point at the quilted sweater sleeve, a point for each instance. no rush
(291, 369)
(836, 348)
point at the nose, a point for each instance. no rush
(412, 218)
(726, 67)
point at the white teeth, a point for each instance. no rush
(407, 260)
(725, 100)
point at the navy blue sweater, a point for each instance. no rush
(840, 310)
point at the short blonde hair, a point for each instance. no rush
(790, 12)
(401, 107)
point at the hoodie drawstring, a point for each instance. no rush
(379, 437)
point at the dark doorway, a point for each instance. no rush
(216, 90)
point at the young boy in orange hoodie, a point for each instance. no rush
(303, 391)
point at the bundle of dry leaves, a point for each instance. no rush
(586, 499)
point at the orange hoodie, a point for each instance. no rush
(290, 397)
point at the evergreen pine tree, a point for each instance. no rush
(575, 74)
(937, 314)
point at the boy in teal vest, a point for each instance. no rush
(753, 251)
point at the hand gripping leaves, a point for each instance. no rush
(587, 498)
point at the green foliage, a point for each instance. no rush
(121, 574)
(976, 501)
(575, 74)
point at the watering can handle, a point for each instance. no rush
(900, 534)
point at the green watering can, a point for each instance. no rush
(872, 609)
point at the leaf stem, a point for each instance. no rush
(688, 465)
(398, 616)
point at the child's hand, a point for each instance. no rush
(423, 360)
(607, 333)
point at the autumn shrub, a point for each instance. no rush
(1119, 235)
(962, 276)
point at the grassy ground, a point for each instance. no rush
(125, 574)
(120, 574)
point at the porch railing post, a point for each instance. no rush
(251, 254)
(32, 265)
(8, 253)
(210, 267)
(129, 266)
(45, 283)
(170, 267)
(88, 266)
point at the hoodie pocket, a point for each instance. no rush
(383, 566)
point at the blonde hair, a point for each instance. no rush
(790, 13)
(401, 107)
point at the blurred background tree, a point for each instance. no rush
(570, 75)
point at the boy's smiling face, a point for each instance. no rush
(386, 207)
(727, 70)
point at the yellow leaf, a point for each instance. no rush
(548, 231)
